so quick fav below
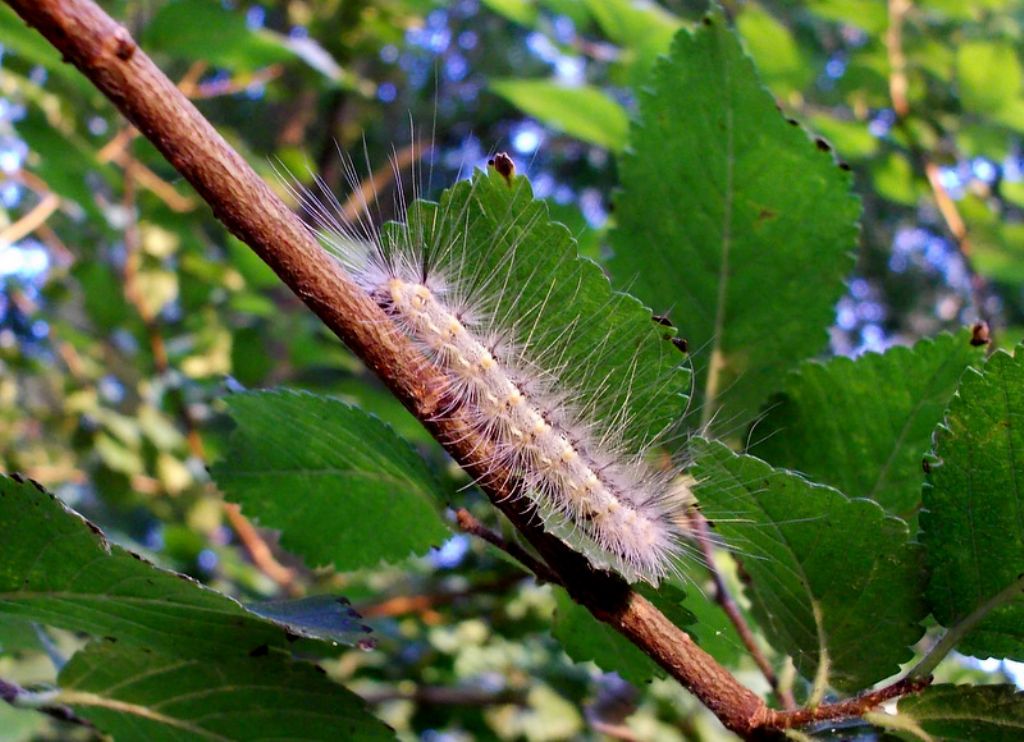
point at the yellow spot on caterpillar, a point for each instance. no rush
(420, 297)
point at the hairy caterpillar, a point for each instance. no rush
(526, 380)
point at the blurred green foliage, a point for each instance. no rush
(128, 314)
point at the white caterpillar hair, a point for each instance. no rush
(580, 446)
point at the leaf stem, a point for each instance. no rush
(43, 702)
(724, 598)
(468, 523)
(851, 708)
(952, 637)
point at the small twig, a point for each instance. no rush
(615, 731)
(259, 551)
(114, 152)
(947, 207)
(851, 708)
(723, 597)
(468, 523)
(232, 85)
(19, 697)
(425, 603)
(447, 696)
(31, 221)
(366, 193)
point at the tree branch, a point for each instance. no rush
(955, 225)
(472, 526)
(107, 55)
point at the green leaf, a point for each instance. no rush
(989, 76)
(635, 23)
(17, 635)
(207, 31)
(851, 139)
(135, 693)
(643, 28)
(339, 484)
(779, 58)
(835, 582)
(732, 221)
(585, 639)
(24, 41)
(894, 179)
(972, 524)
(955, 713)
(56, 568)
(523, 12)
(584, 112)
(864, 425)
(23, 725)
(870, 15)
(600, 347)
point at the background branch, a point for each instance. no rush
(19, 697)
(955, 225)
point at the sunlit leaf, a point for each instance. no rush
(778, 56)
(989, 77)
(580, 111)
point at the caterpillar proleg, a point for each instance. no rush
(569, 381)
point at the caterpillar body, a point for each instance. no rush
(536, 351)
